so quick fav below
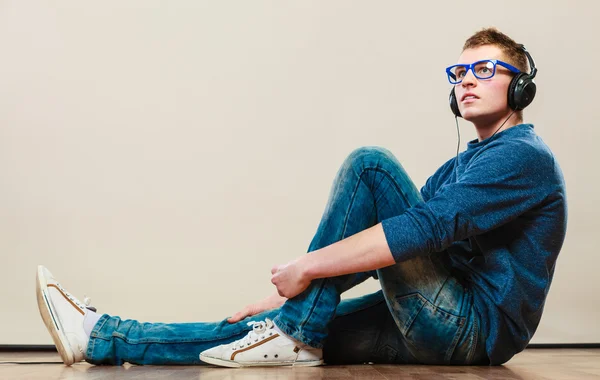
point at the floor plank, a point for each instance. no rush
(538, 364)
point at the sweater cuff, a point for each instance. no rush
(404, 237)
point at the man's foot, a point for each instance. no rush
(63, 316)
(265, 345)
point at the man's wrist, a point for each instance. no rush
(305, 264)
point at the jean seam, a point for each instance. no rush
(99, 325)
(440, 290)
(351, 204)
(388, 174)
(304, 320)
(89, 353)
(376, 169)
(361, 309)
(127, 340)
(95, 335)
(124, 338)
(475, 340)
(296, 334)
(408, 324)
(457, 336)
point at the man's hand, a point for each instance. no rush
(268, 303)
(290, 279)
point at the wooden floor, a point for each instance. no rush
(536, 364)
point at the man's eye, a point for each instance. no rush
(460, 73)
(485, 69)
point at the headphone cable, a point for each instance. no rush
(458, 132)
(509, 116)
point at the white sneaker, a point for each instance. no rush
(63, 316)
(265, 345)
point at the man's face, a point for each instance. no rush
(483, 100)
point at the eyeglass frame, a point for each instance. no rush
(472, 68)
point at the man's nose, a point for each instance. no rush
(469, 79)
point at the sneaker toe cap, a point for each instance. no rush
(217, 352)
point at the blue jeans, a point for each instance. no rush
(422, 314)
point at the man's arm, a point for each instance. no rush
(498, 186)
(364, 251)
(361, 252)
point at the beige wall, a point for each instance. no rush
(160, 157)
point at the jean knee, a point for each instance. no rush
(371, 157)
(367, 153)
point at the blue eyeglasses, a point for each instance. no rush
(483, 69)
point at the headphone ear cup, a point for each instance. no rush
(526, 93)
(512, 89)
(454, 104)
(521, 91)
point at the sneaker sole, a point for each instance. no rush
(233, 364)
(50, 318)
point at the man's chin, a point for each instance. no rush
(477, 116)
(472, 115)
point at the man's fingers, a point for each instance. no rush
(236, 318)
(239, 316)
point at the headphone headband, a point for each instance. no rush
(532, 68)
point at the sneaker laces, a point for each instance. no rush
(86, 300)
(259, 331)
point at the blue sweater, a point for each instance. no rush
(499, 216)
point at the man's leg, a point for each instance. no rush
(364, 331)
(350, 209)
(115, 341)
(111, 340)
(370, 186)
(433, 312)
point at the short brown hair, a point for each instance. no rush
(492, 36)
(513, 51)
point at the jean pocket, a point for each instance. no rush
(431, 333)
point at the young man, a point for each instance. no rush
(464, 265)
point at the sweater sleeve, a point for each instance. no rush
(429, 188)
(426, 189)
(501, 183)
